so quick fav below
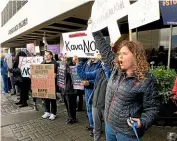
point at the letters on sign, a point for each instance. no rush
(79, 44)
(25, 62)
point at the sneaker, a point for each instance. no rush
(52, 117)
(46, 115)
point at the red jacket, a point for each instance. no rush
(174, 90)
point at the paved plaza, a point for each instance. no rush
(25, 124)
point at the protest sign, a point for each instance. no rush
(76, 79)
(79, 44)
(43, 81)
(55, 49)
(61, 77)
(114, 32)
(143, 12)
(25, 62)
(30, 47)
(169, 12)
(104, 12)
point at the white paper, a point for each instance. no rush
(37, 50)
(143, 12)
(114, 32)
(25, 62)
(79, 44)
(105, 11)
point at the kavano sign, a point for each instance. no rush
(43, 81)
(79, 44)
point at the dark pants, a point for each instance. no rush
(70, 103)
(80, 102)
(24, 89)
(5, 82)
(53, 106)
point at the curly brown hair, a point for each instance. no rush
(141, 65)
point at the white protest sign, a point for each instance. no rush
(106, 11)
(143, 12)
(114, 32)
(25, 62)
(79, 44)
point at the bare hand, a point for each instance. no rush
(85, 83)
(135, 119)
(76, 60)
(89, 21)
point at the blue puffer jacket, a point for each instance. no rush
(89, 67)
(127, 96)
(4, 67)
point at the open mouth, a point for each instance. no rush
(120, 63)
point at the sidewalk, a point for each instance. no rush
(31, 127)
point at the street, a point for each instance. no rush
(25, 124)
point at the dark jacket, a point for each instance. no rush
(68, 84)
(55, 69)
(100, 77)
(126, 96)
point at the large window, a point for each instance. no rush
(12, 7)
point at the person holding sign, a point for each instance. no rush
(51, 113)
(89, 66)
(23, 83)
(97, 98)
(131, 91)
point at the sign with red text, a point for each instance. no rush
(43, 81)
(76, 79)
(25, 62)
(79, 44)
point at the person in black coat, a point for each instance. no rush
(23, 83)
(70, 95)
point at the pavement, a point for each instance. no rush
(25, 124)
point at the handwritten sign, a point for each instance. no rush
(169, 12)
(79, 44)
(25, 62)
(76, 79)
(43, 81)
(143, 12)
(55, 49)
(106, 11)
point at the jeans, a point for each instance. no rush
(98, 115)
(5, 82)
(89, 110)
(112, 136)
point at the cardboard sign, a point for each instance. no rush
(107, 11)
(25, 62)
(76, 79)
(43, 81)
(61, 77)
(79, 44)
(169, 12)
(55, 49)
(143, 12)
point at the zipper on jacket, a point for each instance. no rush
(113, 98)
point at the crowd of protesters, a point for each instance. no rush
(118, 89)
